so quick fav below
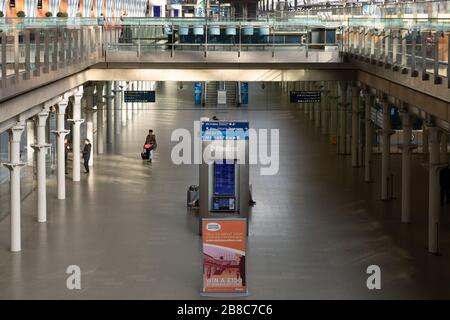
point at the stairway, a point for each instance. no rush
(231, 87)
(211, 93)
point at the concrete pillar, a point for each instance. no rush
(368, 102)
(406, 165)
(355, 126)
(61, 133)
(14, 165)
(41, 150)
(109, 113)
(76, 123)
(343, 118)
(433, 190)
(117, 107)
(386, 132)
(325, 109)
(100, 117)
(444, 145)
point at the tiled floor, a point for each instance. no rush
(315, 229)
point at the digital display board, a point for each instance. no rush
(139, 96)
(224, 130)
(305, 96)
(223, 178)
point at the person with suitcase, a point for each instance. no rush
(150, 145)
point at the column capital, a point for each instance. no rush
(62, 106)
(41, 118)
(13, 166)
(76, 121)
(15, 132)
(61, 133)
(39, 147)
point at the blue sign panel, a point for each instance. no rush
(305, 96)
(139, 96)
(198, 93)
(244, 92)
(223, 130)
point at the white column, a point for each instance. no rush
(386, 133)
(117, 107)
(368, 137)
(130, 105)
(343, 119)
(109, 113)
(406, 165)
(325, 110)
(14, 165)
(89, 102)
(333, 111)
(444, 144)
(61, 133)
(41, 150)
(30, 141)
(433, 190)
(355, 125)
(135, 104)
(317, 86)
(425, 145)
(100, 116)
(311, 105)
(76, 122)
(124, 105)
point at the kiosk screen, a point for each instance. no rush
(224, 178)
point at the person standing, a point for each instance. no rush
(87, 154)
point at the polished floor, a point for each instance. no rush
(315, 229)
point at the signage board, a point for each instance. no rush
(224, 130)
(244, 92)
(305, 96)
(224, 245)
(221, 97)
(139, 96)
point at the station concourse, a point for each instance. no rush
(359, 170)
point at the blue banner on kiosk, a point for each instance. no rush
(223, 130)
(198, 93)
(244, 92)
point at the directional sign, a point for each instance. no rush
(305, 96)
(224, 130)
(139, 96)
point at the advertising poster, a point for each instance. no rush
(244, 92)
(224, 242)
(198, 93)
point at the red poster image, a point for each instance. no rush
(224, 255)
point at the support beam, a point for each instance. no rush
(325, 114)
(123, 105)
(444, 147)
(89, 103)
(41, 148)
(333, 102)
(14, 165)
(343, 119)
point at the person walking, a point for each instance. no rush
(150, 144)
(87, 154)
